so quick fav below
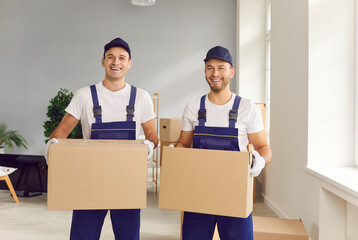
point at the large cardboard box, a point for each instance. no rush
(266, 228)
(97, 174)
(170, 129)
(206, 181)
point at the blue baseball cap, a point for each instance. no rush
(117, 42)
(219, 53)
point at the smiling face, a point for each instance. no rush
(218, 74)
(116, 63)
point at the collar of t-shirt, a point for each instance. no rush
(107, 91)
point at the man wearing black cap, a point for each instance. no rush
(111, 109)
(222, 120)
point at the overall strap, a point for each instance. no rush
(202, 112)
(233, 112)
(130, 107)
(97, 110)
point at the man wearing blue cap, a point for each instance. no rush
(110, 109)
(222, 120)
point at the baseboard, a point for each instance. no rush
(274, 207)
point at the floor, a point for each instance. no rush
(30, 220)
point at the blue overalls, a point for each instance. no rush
(198, 226)
(87, 224)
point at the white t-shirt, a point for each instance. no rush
(113, 105)
(249, 118)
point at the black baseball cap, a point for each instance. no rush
(219, 53)
(117, 42)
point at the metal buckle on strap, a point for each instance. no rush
(97, 111)
(202, 113)
(233, 115)
(130, 110)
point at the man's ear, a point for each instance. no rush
(232, 70)
(103, 62)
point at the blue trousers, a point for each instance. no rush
(198, 226)
(87, 224)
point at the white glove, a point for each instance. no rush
(258, 164)
(171, 145)
(150, 146)
(48, 144)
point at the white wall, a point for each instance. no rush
(289, 190)
(251, 52)
(46, 45)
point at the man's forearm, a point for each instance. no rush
(59, 133)
(153, 138)
(265, 152)
(179, 144)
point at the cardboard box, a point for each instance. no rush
(206, 181)
(164, 144)
(170, 129)
(97, 174)
(266, 228)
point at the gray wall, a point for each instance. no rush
(46, 45)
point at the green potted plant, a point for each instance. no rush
(10, 138)
(55, 113)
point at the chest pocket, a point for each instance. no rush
(217, 138)
(125, 130)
